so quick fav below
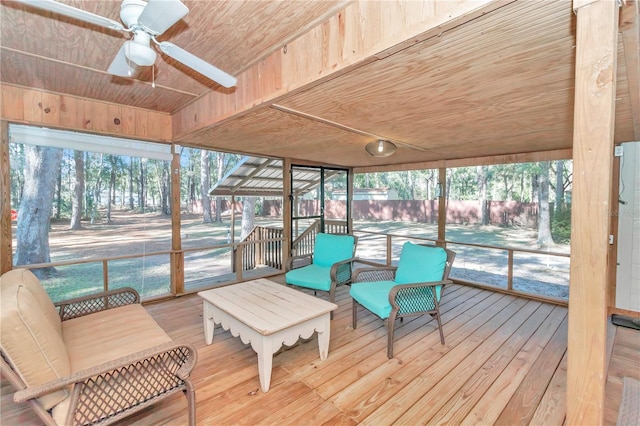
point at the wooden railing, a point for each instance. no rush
(264, 248)
(510, 252)
(265, 251)
(87, 282)
(305, 243)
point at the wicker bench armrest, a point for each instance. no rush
(385, 273)
(85, 305)
(296, 262)
(162, 364)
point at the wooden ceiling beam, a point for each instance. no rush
(525, 157)
(362, 33)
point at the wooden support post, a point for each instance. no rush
(233, 220)
(442, 206)
(105, 275)
(350, 201)
(287, 195)
(177, 257)
(238, 260)
(594, 113)
(6, 256)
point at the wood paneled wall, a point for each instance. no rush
(39, 108)
(347, 40)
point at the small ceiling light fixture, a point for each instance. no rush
(380, 148)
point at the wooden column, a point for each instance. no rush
(594, 108)
(177, 258)
(6, 256)
(442, 206)
(233, 220)
(286, 209)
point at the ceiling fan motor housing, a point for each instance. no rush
(130, 11)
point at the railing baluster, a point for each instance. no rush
(510, 270)
(105, 275)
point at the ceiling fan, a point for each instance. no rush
(145, 20)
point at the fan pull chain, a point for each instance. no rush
(153, 76)
(128, 60)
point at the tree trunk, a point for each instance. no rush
(112, 185)
(165, 188)
(191, 184)
(131, 206)
(97, 189)
(59, 193)
(205, 178)
(32, 232)
(559, 185)
(248, 216)
(481, 176)
(544, 222)
(142, 189)
(220, 170)
(78, 191)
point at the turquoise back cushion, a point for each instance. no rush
(419, 264)
(330, 249)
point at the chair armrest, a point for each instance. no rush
(409, 298)
(85, 305)
(383, 273)
(371, 263)
(296, 262)
(163, 366)
(340, 272)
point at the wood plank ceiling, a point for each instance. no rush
(59, 54)
(499, 84)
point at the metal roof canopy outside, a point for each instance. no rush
(262, 177)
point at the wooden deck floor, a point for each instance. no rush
(504, 362)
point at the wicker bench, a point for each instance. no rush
(90, 360)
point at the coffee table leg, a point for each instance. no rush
(323, 337)
(209, 325)
(265, 362)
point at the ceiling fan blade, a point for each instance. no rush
(73, 12)
(159, 15)
(198, 64)
(122, 66)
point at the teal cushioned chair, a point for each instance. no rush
(328, 266)
(414, 287)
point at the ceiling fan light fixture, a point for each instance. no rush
(140, 54)
(380, 148)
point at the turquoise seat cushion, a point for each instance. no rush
(330, 249)
(374, 296)
(311, 276)
(420, 264)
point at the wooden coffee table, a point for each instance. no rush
(267, 315)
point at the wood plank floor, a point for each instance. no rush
(504, 362)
